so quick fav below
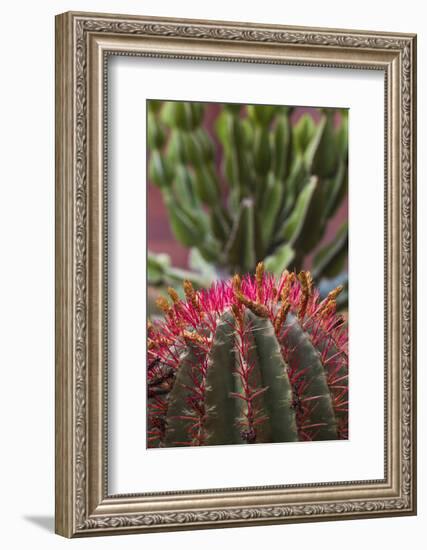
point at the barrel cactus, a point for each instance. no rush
(279, 184)
(250, 360)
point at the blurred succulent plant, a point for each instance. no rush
(278, 186)
(162, 273)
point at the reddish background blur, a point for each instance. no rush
(160, 237)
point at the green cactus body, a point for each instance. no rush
(257, 360)
(278, 185)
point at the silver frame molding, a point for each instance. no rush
(83, 43)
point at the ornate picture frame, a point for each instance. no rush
(84, 42)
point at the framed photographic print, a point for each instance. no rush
(235, 274)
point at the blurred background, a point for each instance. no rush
(230, 185)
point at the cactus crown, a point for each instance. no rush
(249, 360)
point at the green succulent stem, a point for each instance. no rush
(279, 184)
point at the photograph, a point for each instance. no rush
(247, 273)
